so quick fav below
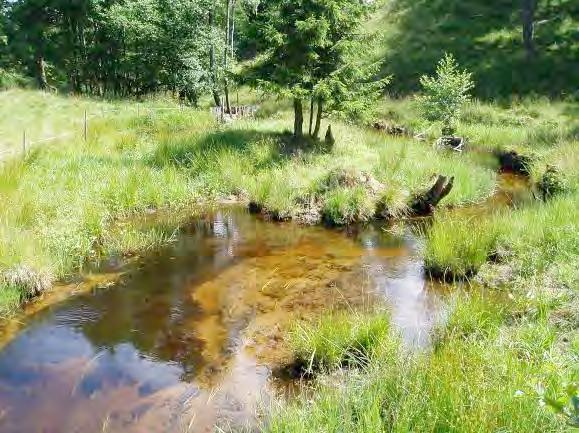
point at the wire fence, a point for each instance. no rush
(13, 148)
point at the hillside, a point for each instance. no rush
(486, 37)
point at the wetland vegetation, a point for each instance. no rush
(414, 270)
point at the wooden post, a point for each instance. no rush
(24, 143)
(85, 131)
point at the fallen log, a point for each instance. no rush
(425, 204)
(451, 142)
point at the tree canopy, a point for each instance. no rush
(306, 49)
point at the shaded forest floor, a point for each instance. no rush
(486, 38)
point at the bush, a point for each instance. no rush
(10, 80)
(445, 94)
(552, 183)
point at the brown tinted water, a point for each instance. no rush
(186, 339)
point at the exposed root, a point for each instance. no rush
(451, 142)
(512, 162)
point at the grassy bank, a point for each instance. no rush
(506, 357)
(534, 126)
(504, 360)
(71, 201)
(489, 371)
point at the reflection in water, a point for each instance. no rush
(186, 340)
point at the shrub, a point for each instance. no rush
(10, 80)
(445, 94)
(552, 183)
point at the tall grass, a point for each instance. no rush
(340, 339)
(457, 247)
(502, 360)
(62, 204)
(540, 238)
(530, 126)
(474, 380)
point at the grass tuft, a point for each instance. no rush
(456, 248)
(340, 339)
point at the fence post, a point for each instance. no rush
(85, 126)
(24, 143)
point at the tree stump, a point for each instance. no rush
(329, 139)
(426, 203)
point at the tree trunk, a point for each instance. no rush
(212, 67)
(41, 72)
(528, 15)
(226, 55)
(311, 115)
(318, 119)
(229, 46)
(298, 118)
(232, 37)
(427, 202)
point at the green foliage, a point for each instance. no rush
(445, 94)
(10, 80)
(552, 183)
(567, 405)
(412, 34)
(139, 46)
(306, 51)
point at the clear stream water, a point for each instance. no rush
(187, 338)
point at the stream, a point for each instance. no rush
(186, 339)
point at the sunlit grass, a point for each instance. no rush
(505, 358)
(457, 247)
(474, 380)
(340, 339)
(61, 203)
